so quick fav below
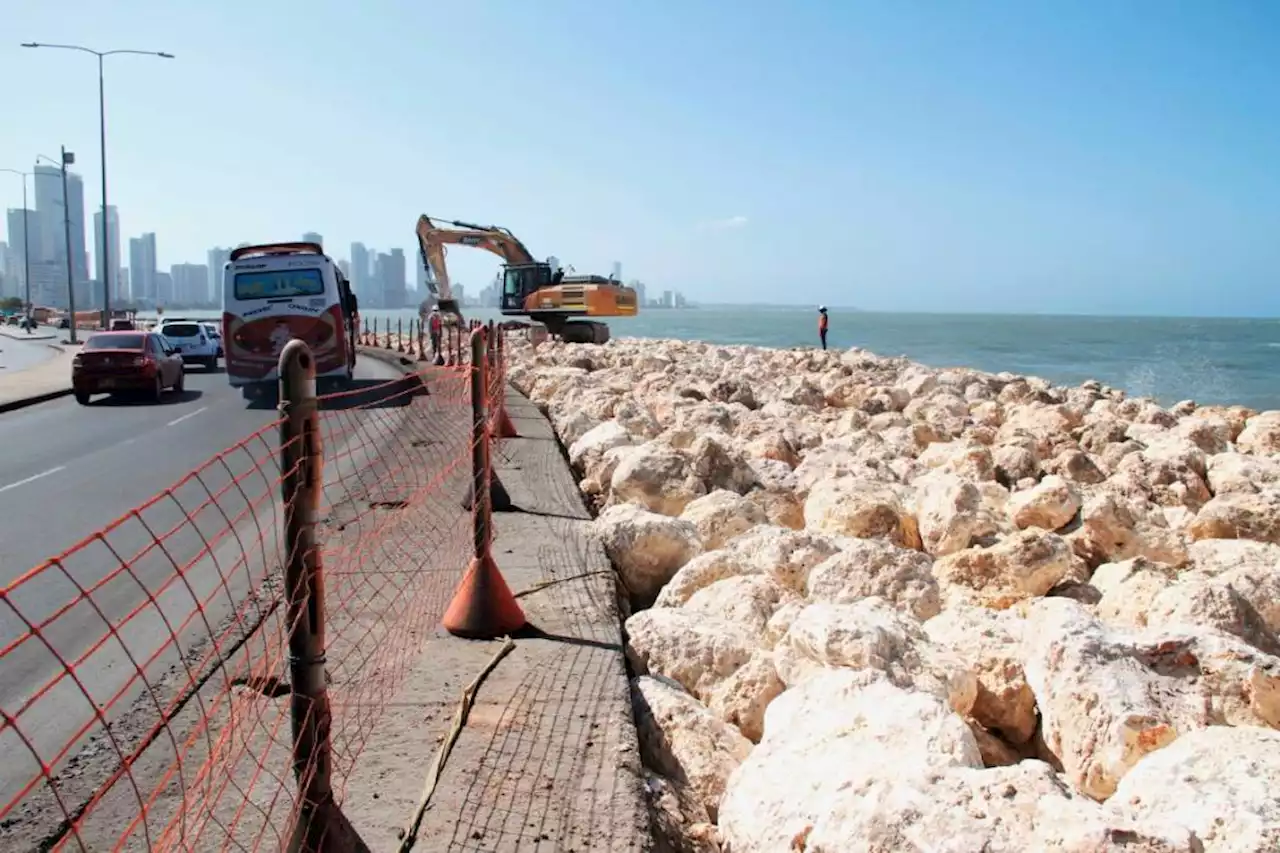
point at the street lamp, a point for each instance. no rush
(26, 246)
(66, 160)
(102, 130)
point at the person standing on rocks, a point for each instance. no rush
(822, 325)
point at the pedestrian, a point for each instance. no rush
(822, 325)
(435, 325)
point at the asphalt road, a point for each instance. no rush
(68, 471)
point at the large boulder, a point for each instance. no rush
(786, 555)
(696, 651)
(646, 548)
(866, 509)
(875, 567)
(871, 634)
(1218, 783)
(657, 477)
(722, 515)
(1022, 566)
(1109, 697)
(683, 741)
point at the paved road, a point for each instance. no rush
(66, 471)
(16, 354)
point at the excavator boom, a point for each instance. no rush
(529, 287)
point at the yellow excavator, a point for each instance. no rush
(530, 288)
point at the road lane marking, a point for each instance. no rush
(177, 421)
(33, 478)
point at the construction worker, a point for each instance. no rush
(822, 325)
(435, 326)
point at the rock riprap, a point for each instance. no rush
(881, 607)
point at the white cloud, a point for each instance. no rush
(725, 224)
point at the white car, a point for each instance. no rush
(192, 341)
(213, 331)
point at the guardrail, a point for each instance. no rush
(204, 672)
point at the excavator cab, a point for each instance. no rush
(520, 280)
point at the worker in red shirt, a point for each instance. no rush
(435, 327)
(822, 325)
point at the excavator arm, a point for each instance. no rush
(432, 240)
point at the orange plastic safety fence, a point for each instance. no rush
(144, 697)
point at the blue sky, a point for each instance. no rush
(991, 156)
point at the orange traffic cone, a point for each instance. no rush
(483, 608)
(500, 424)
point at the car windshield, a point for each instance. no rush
(181, 330)
(114, 342)
(279, 284)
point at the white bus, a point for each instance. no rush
(274, 293)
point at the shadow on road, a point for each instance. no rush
(169, 398)
(359, 394)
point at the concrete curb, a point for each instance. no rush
(23, 402)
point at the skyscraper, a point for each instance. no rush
(190, 284)
(218, 258)
(617, 271)
(312, 237)
(360, 273)
(142, 268)
(113, 250)
(17, 243)
(390, 278)
(52, 211)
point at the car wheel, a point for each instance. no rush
(181, 384)
(158, 392)
(211, 363)
(82, 399)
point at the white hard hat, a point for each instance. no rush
(822, 308)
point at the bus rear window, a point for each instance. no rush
(279, 284)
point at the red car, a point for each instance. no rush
(118, 362)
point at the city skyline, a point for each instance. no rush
(379, 278)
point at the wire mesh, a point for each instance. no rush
(145, 701)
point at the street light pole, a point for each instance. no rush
(102, 140)
(26, 247)
(66, 159)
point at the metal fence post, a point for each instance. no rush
(319, 825)
(399, 334)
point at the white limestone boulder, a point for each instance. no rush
(683, 741)
(1024, 565)
(646, 548)
(722, 515)
(866, 509)
(1218, 783)
(989, 642)
(785, 555)
(696, 651)
(1049, 505)
(874, 567)
(871, 634)
(1107, 697)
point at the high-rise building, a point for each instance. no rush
(617, 271)
(142, 268)
(218, 258)
(638, 287)
(113, 250)
(52, 211)
(391, 278)
(164, 287)
(124, 285)
(360, 275)
(190, 284)
(18, 243)
(312, 237)
(345, 266)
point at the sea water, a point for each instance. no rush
(1170, 359)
